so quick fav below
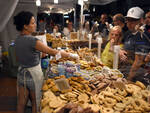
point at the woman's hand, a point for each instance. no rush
(112, 41)
(74, 56)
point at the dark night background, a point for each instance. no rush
(120, 6)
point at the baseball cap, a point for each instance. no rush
(135, 12)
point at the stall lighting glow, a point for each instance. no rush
(80, 2)
(50, 8)
(93, 9)
(66, 13)
(66, 16)
(55, 1)
(87, 14)
(85, 0)
(38, 2)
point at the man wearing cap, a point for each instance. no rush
(135, 44)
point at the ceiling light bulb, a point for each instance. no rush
(85, 0)
(38, 2)
(80, 2)
(93, 9)
(55, 1)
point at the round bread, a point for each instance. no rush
(109, 102)
(140, 84)
(145, 93)
(137, 94)
(107, 110)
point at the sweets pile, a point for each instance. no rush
(131, 99)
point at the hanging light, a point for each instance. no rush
(38, 2)
(55, 1)
(80, 2)
(85, 0)
(93, 9)
(50, 8)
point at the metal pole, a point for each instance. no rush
(75, 25)
(81, 16)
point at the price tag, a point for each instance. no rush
(116, 48)
(62, 84)
(119, 85)
(99, 40)
(116, 56)
(90, 38)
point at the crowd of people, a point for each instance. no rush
(130, 32)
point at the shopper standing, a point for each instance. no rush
(103, 26)
(135, 45)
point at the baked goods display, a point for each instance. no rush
(86, 67)
(56, 42)
(91, 84)
(73, 35)
(74, 44)
(131, 99)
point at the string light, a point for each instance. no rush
(38, 2)
(55, 1)
(80, 2)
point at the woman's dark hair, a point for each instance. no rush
(21, 19)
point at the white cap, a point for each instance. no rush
(135, 12)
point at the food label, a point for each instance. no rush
(62, 84)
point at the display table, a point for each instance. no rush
(91, 84)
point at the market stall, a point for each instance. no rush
(88, 83)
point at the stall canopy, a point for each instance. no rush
(46, 5)
(100, 2)
(63, 5)
(7, 9)
(11, 7)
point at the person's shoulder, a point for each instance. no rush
(30, 38)
(125, 29)
(127, 34)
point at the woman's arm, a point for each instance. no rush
(45, 49)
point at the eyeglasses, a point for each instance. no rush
(131, 20)
(113, 34)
